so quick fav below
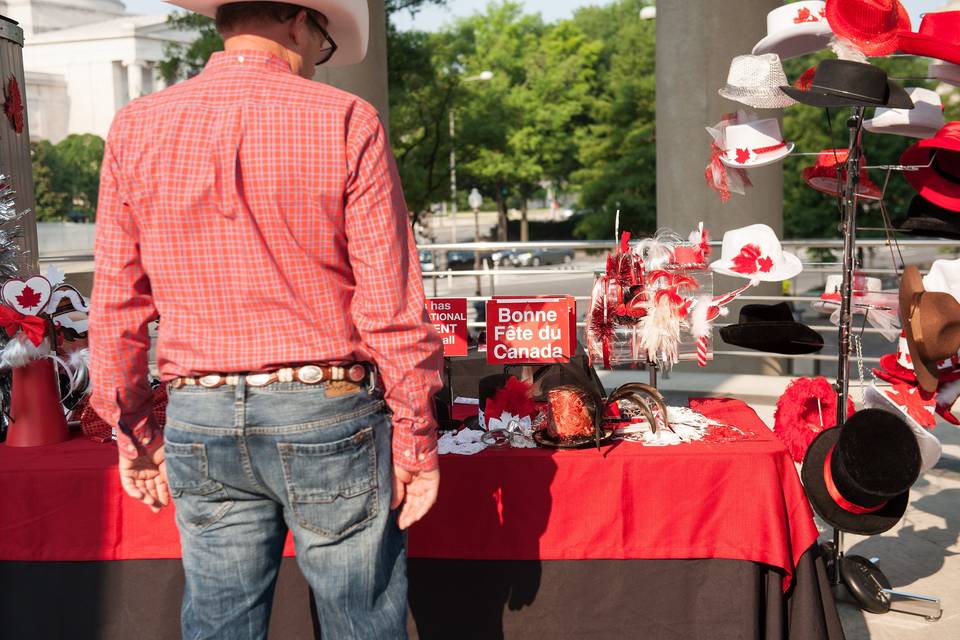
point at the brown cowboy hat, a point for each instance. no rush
(931, 321)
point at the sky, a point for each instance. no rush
(434, 18)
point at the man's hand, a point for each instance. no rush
(416, 491)
(145, 479)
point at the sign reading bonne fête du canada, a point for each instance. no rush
(531, 330)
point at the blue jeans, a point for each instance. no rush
(245, 465)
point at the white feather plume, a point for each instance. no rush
(20, 351)
(699, 325)
(846, 50)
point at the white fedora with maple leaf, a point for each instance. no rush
(755, 252)
(756, 143)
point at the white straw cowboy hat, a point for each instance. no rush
(756, 80)
(349, 23)
(756, 143)
(923, 121)
(796, 29)
(754, 252)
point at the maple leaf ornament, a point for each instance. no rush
(28, 298)
(13, 107)
(742, 155)
(765, 264)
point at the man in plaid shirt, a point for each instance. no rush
(260, 214)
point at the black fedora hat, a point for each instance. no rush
(858, 476)
(927, 219)
(771, 327)
(844, 83)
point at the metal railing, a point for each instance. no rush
(877, 258)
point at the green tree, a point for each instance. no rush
(50, 204)
(76, 170)
(187, 60)
(617, 150)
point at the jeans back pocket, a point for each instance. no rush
(199, 499)
(332, 487)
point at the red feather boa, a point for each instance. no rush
(797, 418)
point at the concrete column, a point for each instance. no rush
(696, 40)
(369, 78)
(134, 79)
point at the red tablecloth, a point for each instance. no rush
(740, 500)
(63, 502)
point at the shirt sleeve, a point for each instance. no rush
(388, 303)
(121, 307)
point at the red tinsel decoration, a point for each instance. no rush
(797, 418)
(13, 108)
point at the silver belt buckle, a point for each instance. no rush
(210, 381)
(310, 374)
(258, 379)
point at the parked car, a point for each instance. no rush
(501, 258)
(460, 260)
(426, 262)
(538, 257)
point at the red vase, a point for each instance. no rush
(36, 416)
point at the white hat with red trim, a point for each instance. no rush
(348, 23)
(795, 29)
(756, 143)
(755, 252)
(907, 401)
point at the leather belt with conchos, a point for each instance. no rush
(308, 374)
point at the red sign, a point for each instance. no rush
(531, 330)
(449, 316)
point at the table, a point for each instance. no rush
(514, 546)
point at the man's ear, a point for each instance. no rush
(298, 27)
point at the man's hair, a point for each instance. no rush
(235, 14)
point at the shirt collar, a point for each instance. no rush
(247, 58)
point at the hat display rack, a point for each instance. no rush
(854, 87)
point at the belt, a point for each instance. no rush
(307, 374)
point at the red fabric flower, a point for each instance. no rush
(13, 107)
(742, 155)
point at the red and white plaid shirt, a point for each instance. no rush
(261, 215)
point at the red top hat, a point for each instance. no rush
(829, 174)
(940, 182)
(938, 37)
(871, 25)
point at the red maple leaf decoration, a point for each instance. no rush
(915, 406)
(28, 298)
(804, 15)
(765, 264)
(13, 107)
(746, 261)
(823, 12)
(742, 155)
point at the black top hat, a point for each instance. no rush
(844, 83)
(771, 327)
(927, 219)
(858, 476)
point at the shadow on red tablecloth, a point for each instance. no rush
(513, 507)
